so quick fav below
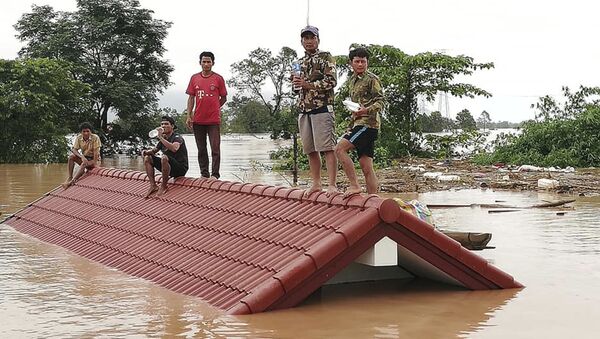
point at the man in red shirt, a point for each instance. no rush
(207, 93)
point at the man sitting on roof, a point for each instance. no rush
(89, 145)
(174, 159)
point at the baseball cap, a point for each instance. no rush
(310, 29)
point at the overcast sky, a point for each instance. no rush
(536, 46)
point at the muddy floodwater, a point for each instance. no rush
(46, 291)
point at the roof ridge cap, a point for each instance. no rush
(388, 209)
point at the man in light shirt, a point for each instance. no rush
(85, 152)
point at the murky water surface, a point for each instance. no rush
(47, 292)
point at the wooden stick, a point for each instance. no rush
(549, 204)
(502, 211)
(553, 204)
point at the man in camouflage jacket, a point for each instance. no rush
(316, 121)
(365, 90)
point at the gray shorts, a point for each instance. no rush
(317, 132)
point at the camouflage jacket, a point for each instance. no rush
(318, 69)
(366, 90)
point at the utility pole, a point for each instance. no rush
(295, 134)
(307, 12)
(443, 104)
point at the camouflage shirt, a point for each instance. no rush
(318, 69)
(366, 90)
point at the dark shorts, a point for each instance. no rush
(177, 168)
(363, 138)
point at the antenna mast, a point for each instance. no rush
(443, 102)
(307, 12)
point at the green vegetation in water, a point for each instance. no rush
(562, 135)
(39, 103)
(40, 98)
(446, 146)
(285, 158)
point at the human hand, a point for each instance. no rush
(189, 123)
(362, 111)
(299, 82)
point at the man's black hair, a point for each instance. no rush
(208, 54)
(85, 125)
(359, 52)
(169, 119)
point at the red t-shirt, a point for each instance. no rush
(207, 91)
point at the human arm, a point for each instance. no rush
(375, 101)
(76, 147)
(149, 152)
(75, 150)
(190, 109)
(191, 101)
(78, 154)
(222, 92)
(171, 146)
(378, 100)
(96, 144)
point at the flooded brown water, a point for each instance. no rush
(46, 291)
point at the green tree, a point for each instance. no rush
(563, 135)
(465, 121)
(247, 115)
(115, 46)
(37, 98)
(406, 78)
(435, 122)
(260, 72)
(575, 103)
(448, 145)
(484, 120)
(504, 124)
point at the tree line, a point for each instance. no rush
(562, 133)
(108, 57)
(105, 57)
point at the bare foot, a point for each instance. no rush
(162, 190)
(212, 178)
(331, 190)
(151, 190)
(352, 191)
(66, 184)
(312, 190)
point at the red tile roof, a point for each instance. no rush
(244, 248)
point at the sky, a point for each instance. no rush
(537, 46)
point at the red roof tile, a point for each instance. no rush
(244, 248)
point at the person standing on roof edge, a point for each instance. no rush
(366, 90)
(89, 144)
(316, 121)
(207, 92)
(174, 159)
